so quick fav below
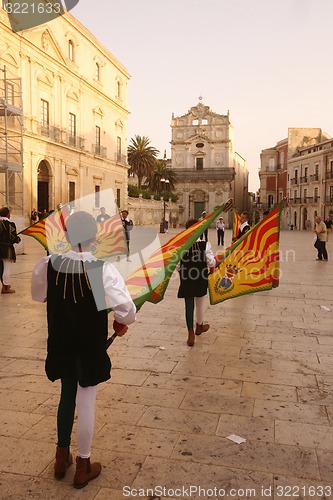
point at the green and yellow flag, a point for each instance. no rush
(149, 282)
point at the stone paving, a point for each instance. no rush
(263, 372)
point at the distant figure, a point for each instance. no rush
(220, 226)
(128, 226)
(165, 225)
(205, 233)
(244, 225)
(8, 237)
(33, 216)
(320, 243)
(102, 216)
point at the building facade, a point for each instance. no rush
(297, 168)
(71, 94)
(208, 169)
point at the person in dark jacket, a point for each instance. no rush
(8, 237)
(79, 290)
(244, 225)
(193, 273)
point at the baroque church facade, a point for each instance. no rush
(208, 169)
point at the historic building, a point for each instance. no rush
(299, 168)
(209, 170)
(63, 116)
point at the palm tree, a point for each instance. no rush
(160, 172)
(141, 157)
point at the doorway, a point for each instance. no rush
(199, 207)
(43, 187)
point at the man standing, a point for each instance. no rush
(102, 216)
(8, 236)
(128, 226)
(320, 244)
(244, 225)
(220, 231)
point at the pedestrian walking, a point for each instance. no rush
(193, 273)
(320, 243)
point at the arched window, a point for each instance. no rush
(71, 50)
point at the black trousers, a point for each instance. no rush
(220, 237)
(321, 248)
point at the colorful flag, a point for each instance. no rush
(251, 264)
(235, 222)
(51, 233)
(149, 282)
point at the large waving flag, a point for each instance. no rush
(235, 222)
(251, 264)
(149, 282)
(51, 233)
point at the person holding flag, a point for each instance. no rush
(79, 290)
(244, 225)
(193, 273)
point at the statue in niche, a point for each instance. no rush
(45, 40)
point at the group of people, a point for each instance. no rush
(35, 216)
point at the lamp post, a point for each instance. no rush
(164, 183)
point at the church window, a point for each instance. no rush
(199, 144)
(71, 50)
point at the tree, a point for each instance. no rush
(161, 171)
(141, 157)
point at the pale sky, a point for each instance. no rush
(269, 62)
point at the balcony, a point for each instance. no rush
(314, 178)
(304, 180)
(53, 133)
(99, 150)
(208, 174)
(75, 141)
(329, 175)
(294, 181)
(119, 158)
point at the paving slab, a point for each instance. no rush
(263, 372)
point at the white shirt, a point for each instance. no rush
(116, 293)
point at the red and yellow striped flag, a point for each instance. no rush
(51, 233)
(235, 223)
(149, 282)
(251, 264)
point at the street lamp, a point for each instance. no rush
(164, 183)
